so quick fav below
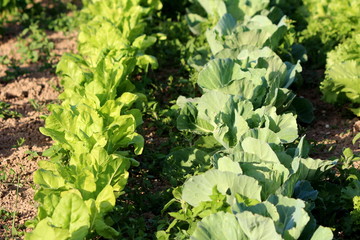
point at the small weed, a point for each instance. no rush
(6, 113)
(31, 154)
(5, 215)
(11, 178)
(34, 46)
(13, 68)
(65, 22)
(4, 177)
(36, 105)
(356, 138)
(19, 143)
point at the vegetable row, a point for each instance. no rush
(248, 177)
(94, 127)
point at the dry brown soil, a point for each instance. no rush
(334, 126)
(17, 163)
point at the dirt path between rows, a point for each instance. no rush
(20, 139)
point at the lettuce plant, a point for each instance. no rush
(342, 81)
(330, 23)
(94, 128)
(215, 9)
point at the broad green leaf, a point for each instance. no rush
(322, 233)
(256, 226)
(105, 230)
(185, 162)
(198, 188)
(48, 200)
(304, 109)
(188, 117)
(48, 179)
(243, 225)
(218, 73)
(71, 213)
(218, 226)
(303, 190)
(86, 183)
(293, 217)
(259, 148)
(226, 164)
(311, 169)
(271, 176)
(263, 134)
(284, 125)
(105, 201)
(239, 8)
(45, 231)
(258, 31)
(213, 7)
(115, 174)
(265, 209)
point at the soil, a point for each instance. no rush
(28, 94)
(334, 126)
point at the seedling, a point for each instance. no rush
(13, 70)
(5, 176)
(6, 113)
(19, 143)
(31, 154)
(36, 105)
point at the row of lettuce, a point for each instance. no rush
(342, 76)
(330, 31)
(247, 174)
(94, 127)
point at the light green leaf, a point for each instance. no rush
(260, 149)
(293, 217)
(218, 226)
(45, 231)
(48, 179)
(256, 226)
(322, 233)
(105, 200)
(198, 188)
(72, 213)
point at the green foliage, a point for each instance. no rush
(5, 111)
(355, 214)
(10, 6)
(245, 120)
(34, 46)
(214, 113)
(205, 200)
(188, 217)
(246, 175)
(19, 143)
(13, 68)
(52, 16)
(94, 129)
(258, 31)
(250, 45)
(342, 79)
(335, 206)
(330, 22)
(218, 8)
(185, 162)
